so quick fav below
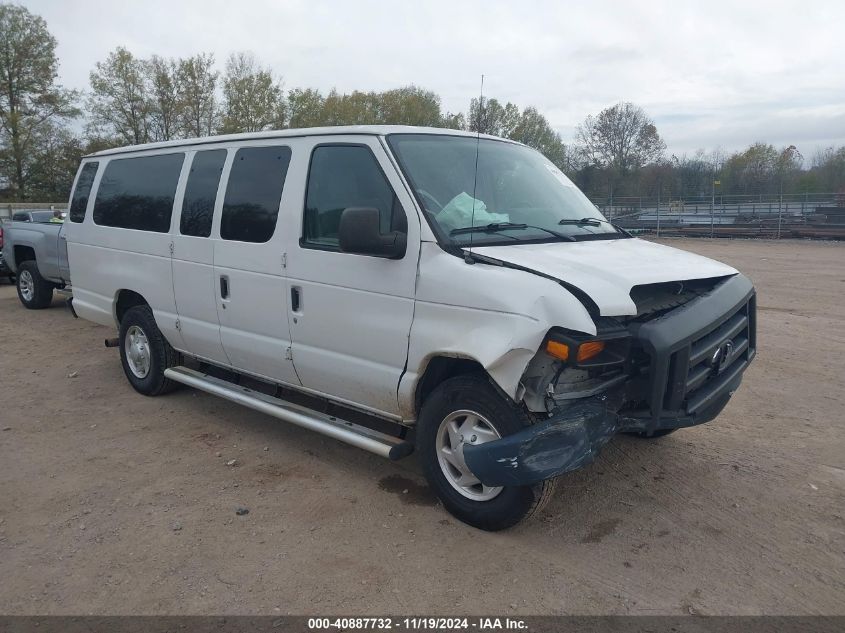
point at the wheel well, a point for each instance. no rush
(439, 369)
(24, 253)
(127, 299)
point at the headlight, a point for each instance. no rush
(609, 347)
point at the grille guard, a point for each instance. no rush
(681, 343)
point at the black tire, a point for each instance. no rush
(38, 293)
(654, 434)
(474, 392)
(161, 354)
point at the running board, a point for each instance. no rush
(387, 446)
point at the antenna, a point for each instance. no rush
(469, 259)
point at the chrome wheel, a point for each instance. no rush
(27, 285)
(137, 349)
(456, 430)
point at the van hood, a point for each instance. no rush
(607, 269)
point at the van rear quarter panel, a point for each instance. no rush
(105, 260)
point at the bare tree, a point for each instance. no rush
(164, 98)
(621, 137)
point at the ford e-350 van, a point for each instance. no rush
(405, 289)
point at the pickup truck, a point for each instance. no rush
(36, 253)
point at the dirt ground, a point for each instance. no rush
(113, 503)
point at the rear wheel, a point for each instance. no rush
(469, 410)
(34, 291)
(145, 353)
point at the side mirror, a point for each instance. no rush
(360, 233)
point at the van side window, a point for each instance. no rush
(254, 193)
(201, 192)
(138, 193)
(343, 176)
(79, 201)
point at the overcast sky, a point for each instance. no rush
(711, 74)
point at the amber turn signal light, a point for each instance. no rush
(558, 350)
(588, 350)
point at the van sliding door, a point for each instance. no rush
(249, 281)
(193, 259)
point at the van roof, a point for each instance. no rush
(368, 130)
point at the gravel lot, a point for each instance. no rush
(113, 503)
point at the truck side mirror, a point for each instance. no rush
(360, 233)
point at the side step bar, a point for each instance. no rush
(387, 446)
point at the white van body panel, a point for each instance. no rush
(494, 315)
(105, 258)
(367, 326)
(350, 335)
(607, 269)
(194, 285)
(254, 327)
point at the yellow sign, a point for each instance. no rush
(717, 182)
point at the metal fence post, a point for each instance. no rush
(712, 204)
(658, 213)
(780, 213)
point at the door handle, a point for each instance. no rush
(224, 287)
(295, 298)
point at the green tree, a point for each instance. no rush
(196, 82)
(534, 130)
(54, 163)
(488, 116)
(30, 100)
(305, 108)
(120, 105)
(410, 105)
(454, 121)
(252, 99)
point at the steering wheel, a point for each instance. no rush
(424, 194)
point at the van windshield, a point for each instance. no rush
(517, 195)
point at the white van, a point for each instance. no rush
(405, 289)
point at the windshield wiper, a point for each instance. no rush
(581, 222)
(593, 222)
(504, 226)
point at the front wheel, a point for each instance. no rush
(34, 291)
(469, 410)
(145, 353)
(644, 435)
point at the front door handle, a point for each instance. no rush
(295, 298)
(224, 287)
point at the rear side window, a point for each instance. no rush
(138, 193)
(201, 192)
(343, 176)
(253, 193)
(79, 200)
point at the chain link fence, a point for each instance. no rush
(808, 215)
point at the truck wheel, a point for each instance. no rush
(468, 409)
(654, 434)
(34, 291)
(145, 353)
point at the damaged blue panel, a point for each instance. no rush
(569, 440)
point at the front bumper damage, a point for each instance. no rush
(685, 383)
